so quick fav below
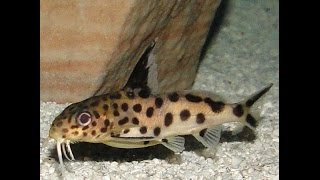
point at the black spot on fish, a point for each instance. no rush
(173, 97)
(143, 130)
(168, 119)
(106, 122)
(74, 126)
(185, 114)
(115, 105)
(105, 107)
(200, 118)
(137, 108)
(238, 110)
(123, 121)
(124, 107)
(164, 140)
(146, 142)
(202, 132)
(85, 133)
(93, 132)
(96, 114)
(116, 113)
(94, 123)
(149, 112)
(215, 106)
(103, 130)
(84, 128)
(126, 131)
(135, 121)
(158, 102)
(193, 98)
(156, 131)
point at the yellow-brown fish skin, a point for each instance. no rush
(145, 119)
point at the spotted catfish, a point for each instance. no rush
(137, 119)
(139, 116)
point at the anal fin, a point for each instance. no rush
(209, 137)
(175, 143)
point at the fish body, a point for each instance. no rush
(137, 119)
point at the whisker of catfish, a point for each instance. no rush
(60, 157)
(69, 150)
(64, 151)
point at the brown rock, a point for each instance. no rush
(92, 47)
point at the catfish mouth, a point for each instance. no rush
(63, 146)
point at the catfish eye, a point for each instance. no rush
(84, 118)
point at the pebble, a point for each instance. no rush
(51, 170)
(106, 177)
(210, 161)
(142, 175)
(250, 171)
(276, 177)
(114, 163)
(276, 132)
(123, 167)
(235, 162)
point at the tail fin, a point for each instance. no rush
(250, 120)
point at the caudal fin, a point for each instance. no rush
(250, 120)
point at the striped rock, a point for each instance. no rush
(89, 47)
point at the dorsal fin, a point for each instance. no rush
(254, 97)
(250, 120)
(145, 73)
